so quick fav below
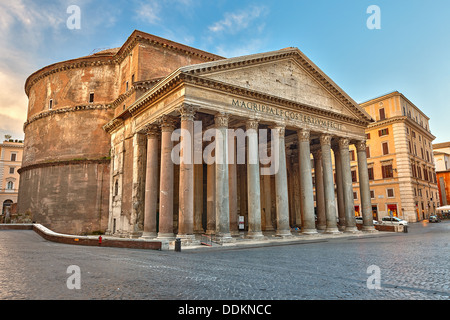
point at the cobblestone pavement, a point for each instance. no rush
(412, 265)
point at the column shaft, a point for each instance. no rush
(349, 205)
(306, 186)
(364, 187)
(281, 190)
(253, 185)
(186, 186)
(222, 183)
(151, 183)
(330, 202)
(339, 191)
(320, 196)
(166, 179)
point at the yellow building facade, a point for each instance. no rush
(10, 162)
(400, 160)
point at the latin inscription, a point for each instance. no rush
(290, 115)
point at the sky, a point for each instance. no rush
(409, 52)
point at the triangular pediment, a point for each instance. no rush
(287, 74)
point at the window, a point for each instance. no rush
(382, 114)
(352, 155)
(354, 179)
(383, 132)
(387, 171)
(370, 170)
(116, 188)
(91, 97)
(390, 193)
(409, 146)
(355, 195)
(385, 146)
(127, 87)
(132, 79)
(368, 136)
(11, 170)
(50, 104)
(13, 156)
(372, 194)
(367, 152)
(10, 185)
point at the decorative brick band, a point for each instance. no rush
(64, 163)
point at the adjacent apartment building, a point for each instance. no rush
(441, 153)
(10, 161)
(400, 160)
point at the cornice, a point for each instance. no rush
(116, 58)
(83, 62)
(405, 119)
(49, 113)
(105, 160)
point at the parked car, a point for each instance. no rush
(359, 220)
(434, 219)
(393, 221)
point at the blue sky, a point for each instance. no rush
(410, 53)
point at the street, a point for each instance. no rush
(410, 265)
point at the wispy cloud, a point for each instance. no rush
(149, 12)
(236, 21)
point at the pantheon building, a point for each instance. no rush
(156, 139)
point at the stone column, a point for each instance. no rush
(222, 183)
(339, 191)
(306, 186)
(281, 190)
(330, 202)
(347, 184)
(138, 185)
(211, 197)
(253, 185)
(364, 187)
(186, 185)
(166, 180)
(151, 182)
(232, 185)
(320, 196)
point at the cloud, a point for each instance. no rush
(234, 22)
(149, 12)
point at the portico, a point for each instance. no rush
(220, 137)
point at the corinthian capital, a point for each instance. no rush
(343, 143)
(304, 135)
(187, 112)
(361, 145)
(221, 120)
(167, 123)
(252, 124)
(325, 139)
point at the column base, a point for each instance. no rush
(309, 232)
(149, 235)
(333, 230)
(224, 238)
(284, 234)
(351, 230)
(321, 227)
(188, 239)
(369, 229)
(166, 236)
(255, 235)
